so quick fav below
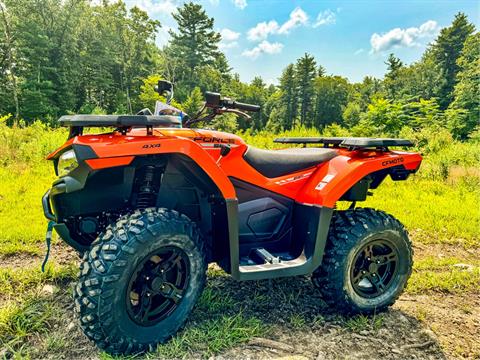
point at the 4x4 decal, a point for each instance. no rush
(150, 146)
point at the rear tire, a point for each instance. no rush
(140, 281)
(367, 262)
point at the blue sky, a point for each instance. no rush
(349, 38)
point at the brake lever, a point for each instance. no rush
(238, 112)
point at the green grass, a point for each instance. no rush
(24, 280)
(212, 336)
(20, 321)
(434, 211)
(439, 205)
(364, 323)
(441, 275)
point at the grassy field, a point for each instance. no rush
(439, 206)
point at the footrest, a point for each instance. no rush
(264, 256)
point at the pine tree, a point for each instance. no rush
(194, 102)
(305, 73)
(392, 83)
(331, 99)
(288, 97)
(465, 109)
(196, 43)
(446, 50)
(393, 64)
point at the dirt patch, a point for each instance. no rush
(454, 319)
(399, 337)
(441, 251)
(60, 254)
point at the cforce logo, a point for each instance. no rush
(150, 146)
(293, 178)
(208, 139)
(392, 161)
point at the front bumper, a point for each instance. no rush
(47, 209)
(60, 228)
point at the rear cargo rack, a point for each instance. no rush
(349, 142)
(121, 122)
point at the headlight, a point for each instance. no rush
(66, 163)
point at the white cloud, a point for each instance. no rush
(358, 52)
(325, 18)
(297, 17)
(403, 37)
(229, 35)
(241, 4)
(155, 7)
(229, 45)
(262, 30)
(264, 47)
(162, 37)
(229, 39)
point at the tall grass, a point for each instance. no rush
(440, 203)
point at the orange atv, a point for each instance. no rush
(151, 203)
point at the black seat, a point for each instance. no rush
(275, 163)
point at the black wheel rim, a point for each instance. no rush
(374, 268)
(158, 285)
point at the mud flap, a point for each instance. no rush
(48, 241)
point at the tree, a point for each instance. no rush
(288, 98)
(194, 102)
(463, 114)
(331, 99)
(394, 65)
(305, 73)
(196, 43)
(8, 57)
(446, 50)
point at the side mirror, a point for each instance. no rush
(162, 86)
(212, 99)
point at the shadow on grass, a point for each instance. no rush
(292, 311)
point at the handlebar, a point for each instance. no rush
(214, 100)
(245, 107)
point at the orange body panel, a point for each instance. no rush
(323, 184)
(97, 164)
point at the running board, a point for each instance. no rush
(311, 225)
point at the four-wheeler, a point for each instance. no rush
(154, 201)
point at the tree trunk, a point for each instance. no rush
(8, 40)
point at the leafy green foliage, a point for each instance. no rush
(446, 50)
(102, 58)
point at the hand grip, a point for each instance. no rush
(246, 107)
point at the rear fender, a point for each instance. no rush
(332, 180)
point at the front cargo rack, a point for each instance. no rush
(349, 142)
(121, 122)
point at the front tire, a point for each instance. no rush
(367, 262)
(140, 281)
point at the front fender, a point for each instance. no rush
(116, 150)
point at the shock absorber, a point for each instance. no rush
(147, 191)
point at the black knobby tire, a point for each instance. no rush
(106, 273)
(352, 234)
